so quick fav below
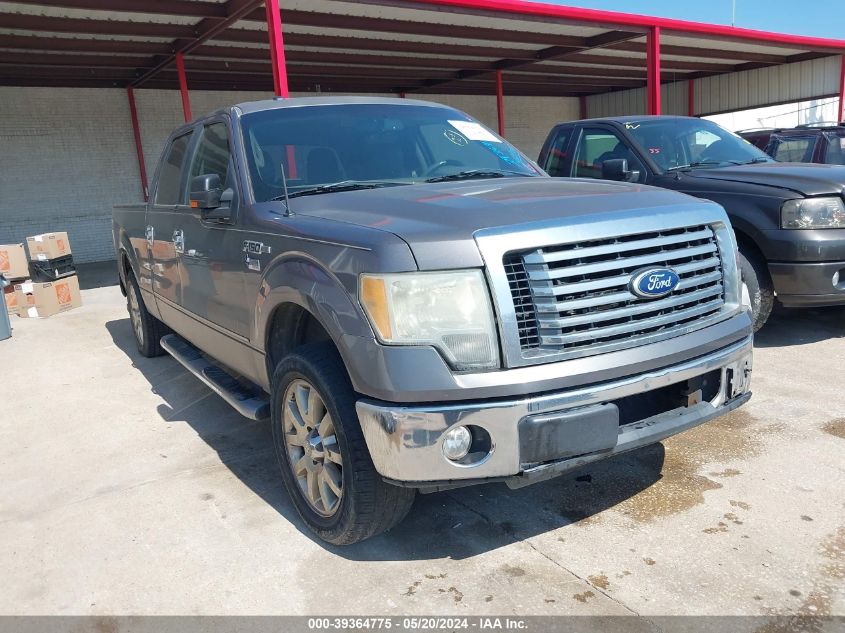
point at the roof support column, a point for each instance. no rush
(582, 107)
(841, 90)
(139, 149)
(653, 66)
(500, 102)
(691, 97)
(277, 48)
(183, 87)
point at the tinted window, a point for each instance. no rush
(795, 149)
(169, 189)
(556, 159)
(598, 145)
(835, 154)
(213, 155)
(399, 144)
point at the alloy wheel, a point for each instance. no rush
(312, 447)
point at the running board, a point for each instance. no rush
(247, 400)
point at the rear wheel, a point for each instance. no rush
(757, 290)
(147, 329)
(326, 466)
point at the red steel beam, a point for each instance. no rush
(500, 102)
(841, 90)
(183, 87)
(139, 148)
(653, 67)
(277, 48)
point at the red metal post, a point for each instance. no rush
(500, 102)
(582, 106)
(841, 90)
(136, 130)
(691, 97)
(183, 86)
(653, 74)
(277, 48)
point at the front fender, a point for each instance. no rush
(302, 280)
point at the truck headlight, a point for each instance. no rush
(813, 213)
(450, 311)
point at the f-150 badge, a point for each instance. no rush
(256, 248)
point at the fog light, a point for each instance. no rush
(456, 443)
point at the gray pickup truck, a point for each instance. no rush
(416, 306)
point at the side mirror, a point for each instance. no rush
(206, 191)
(617, 169)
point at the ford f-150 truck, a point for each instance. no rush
(789, 218)
(415, 306)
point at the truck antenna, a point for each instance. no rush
(288, 212)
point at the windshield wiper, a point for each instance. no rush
(759, 159)
(469, 174)
(705, 163)
(344, 185)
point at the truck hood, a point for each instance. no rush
(438, 220)
(808, 179)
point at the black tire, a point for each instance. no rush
(755, 274)
(368, 505)
(146, 329)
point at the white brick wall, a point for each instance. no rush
(67, 154)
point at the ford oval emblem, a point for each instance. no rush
(653, 283)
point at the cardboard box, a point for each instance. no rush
(42, 300)
(13, 262)
(11, 299)
(48, 246)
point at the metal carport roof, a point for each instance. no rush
(415, 46)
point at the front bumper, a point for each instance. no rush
(809, 284)
(405, 441)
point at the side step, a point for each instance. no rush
(248, 400)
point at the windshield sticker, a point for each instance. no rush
(653, 150)
(474, 131)
(454, 137)
(632, 126)
(505, 158)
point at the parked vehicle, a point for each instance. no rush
(416, 306)
(803, 144)
(789, 218)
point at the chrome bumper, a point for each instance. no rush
(405, 441)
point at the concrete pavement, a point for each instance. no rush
(128, 487)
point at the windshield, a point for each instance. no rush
(690, 143)
(370, 144)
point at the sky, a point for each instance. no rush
(819, 18)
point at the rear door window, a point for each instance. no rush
(794, 149)
(169, 189)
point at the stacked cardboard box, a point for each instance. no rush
(15, 267)
(47, 283)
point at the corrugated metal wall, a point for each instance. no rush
(733, 91)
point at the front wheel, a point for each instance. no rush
(326, 466)
(757, 288)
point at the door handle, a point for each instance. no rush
(179, 241)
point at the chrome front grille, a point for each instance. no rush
(574, 299)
